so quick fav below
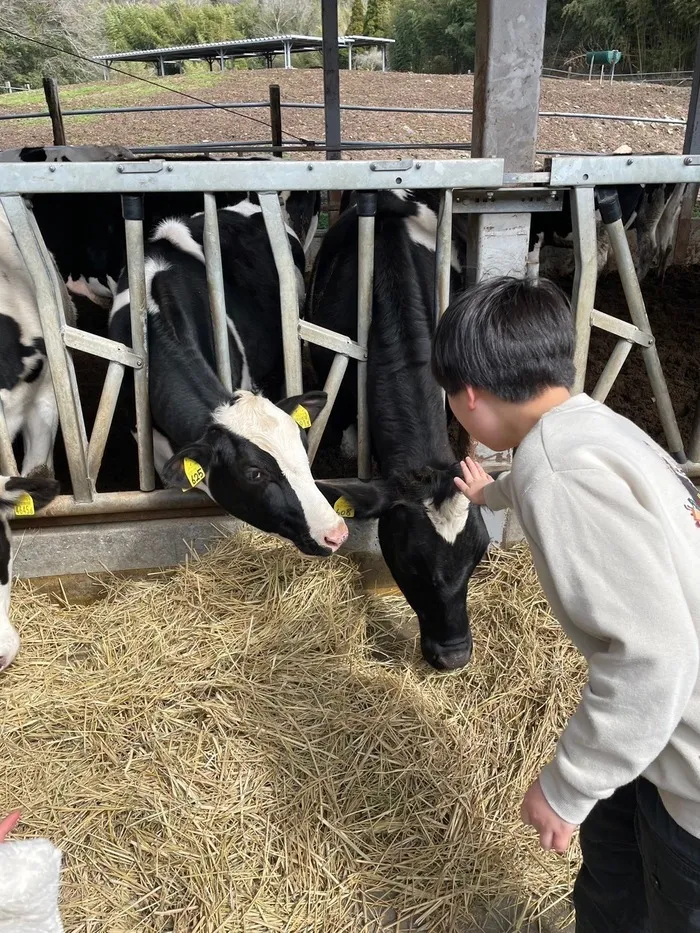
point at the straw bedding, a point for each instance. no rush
(250, 743)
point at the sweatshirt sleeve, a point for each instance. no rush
(498, 495)
(612, 574)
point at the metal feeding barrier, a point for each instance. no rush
(468, 186)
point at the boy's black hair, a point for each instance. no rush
(511, 337)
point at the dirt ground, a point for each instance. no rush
(367, 88)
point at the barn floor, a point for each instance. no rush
(251, 743)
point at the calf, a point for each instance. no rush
(22, 495)
(430, 536)
(246, 453)
(26, 389)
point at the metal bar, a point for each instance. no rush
(331, 77)
(215, 286)
(54, 104)
(339, 343)
(276, 119)
(366, 213)
(613, 325)
(603, 170)
(443, 255)
(103, 418)
(144, 177)
(100, 346)
(694, 444)
(8, 464)
(111, 503)
(289, 299)
(612, 369)
(331, 388)
(585, 276)
(638, 313)
(132, 209)
(49, 294)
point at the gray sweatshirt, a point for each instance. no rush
(614, 528)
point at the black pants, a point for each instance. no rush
(641, 870)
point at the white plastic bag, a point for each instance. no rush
(29, 878)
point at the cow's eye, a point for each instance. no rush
(253, 475)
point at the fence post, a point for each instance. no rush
(276, 119)
(54, 105)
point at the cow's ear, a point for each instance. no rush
(304, 409)
(356, 498)
(25, 495)
(188, 467)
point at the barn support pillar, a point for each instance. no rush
(509, 51)
(691, 146)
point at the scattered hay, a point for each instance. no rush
(227, 747)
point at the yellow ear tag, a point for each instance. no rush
(25, 506)
(344, 508)
(193, 471)
(302, 417)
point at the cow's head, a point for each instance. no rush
(21, 495)
(431, 540)
(254, 464)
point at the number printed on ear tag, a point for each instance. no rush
(302, 417)
(25, 506)
(193, 471)
(344, 508)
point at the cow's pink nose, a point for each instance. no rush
(337, 537)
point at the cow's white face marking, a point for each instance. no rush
(178, 234)
(422, 227)
(151, 268)
(450, 519)
(259, 421)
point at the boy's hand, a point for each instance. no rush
(8, 824)
(474, 478)
(555, 833)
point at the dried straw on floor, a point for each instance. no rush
(249, 743)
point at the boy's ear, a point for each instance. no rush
(41, 490)
(188, 467)
(304, 409)
(356, 498)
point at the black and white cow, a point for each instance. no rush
(26, 389)
(246, 452)
(651, 211)
(430, 537)
(29, 493)
(85, 232)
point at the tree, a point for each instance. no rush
(434, 35)
(377, 18)
(357, 19)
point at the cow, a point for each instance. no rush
(652, 211)
(26, 389)
(19, 495)
(246, 452)
(85, 232)
(430, 536)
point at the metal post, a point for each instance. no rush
(331, 388)
(349, 44)
(609, 206)
(215, 286)
(331, 77)
(602, 72)
(222, 63)
(443, 255)
(8, 464)
(366, 213)
(161, 67)
(287, 56)
(694, 445)
(590, 71)
(612, 369)
(53, 102)
(103, 418)
(585, 276)
(612, 72)
(132, 210)
(276, 119)
(289, 299)
(49, 295)
(383, 57)
(691, 146)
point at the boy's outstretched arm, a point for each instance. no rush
(607, 571)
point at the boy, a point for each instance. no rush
(614, 529)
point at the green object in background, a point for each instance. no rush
(611, 57)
